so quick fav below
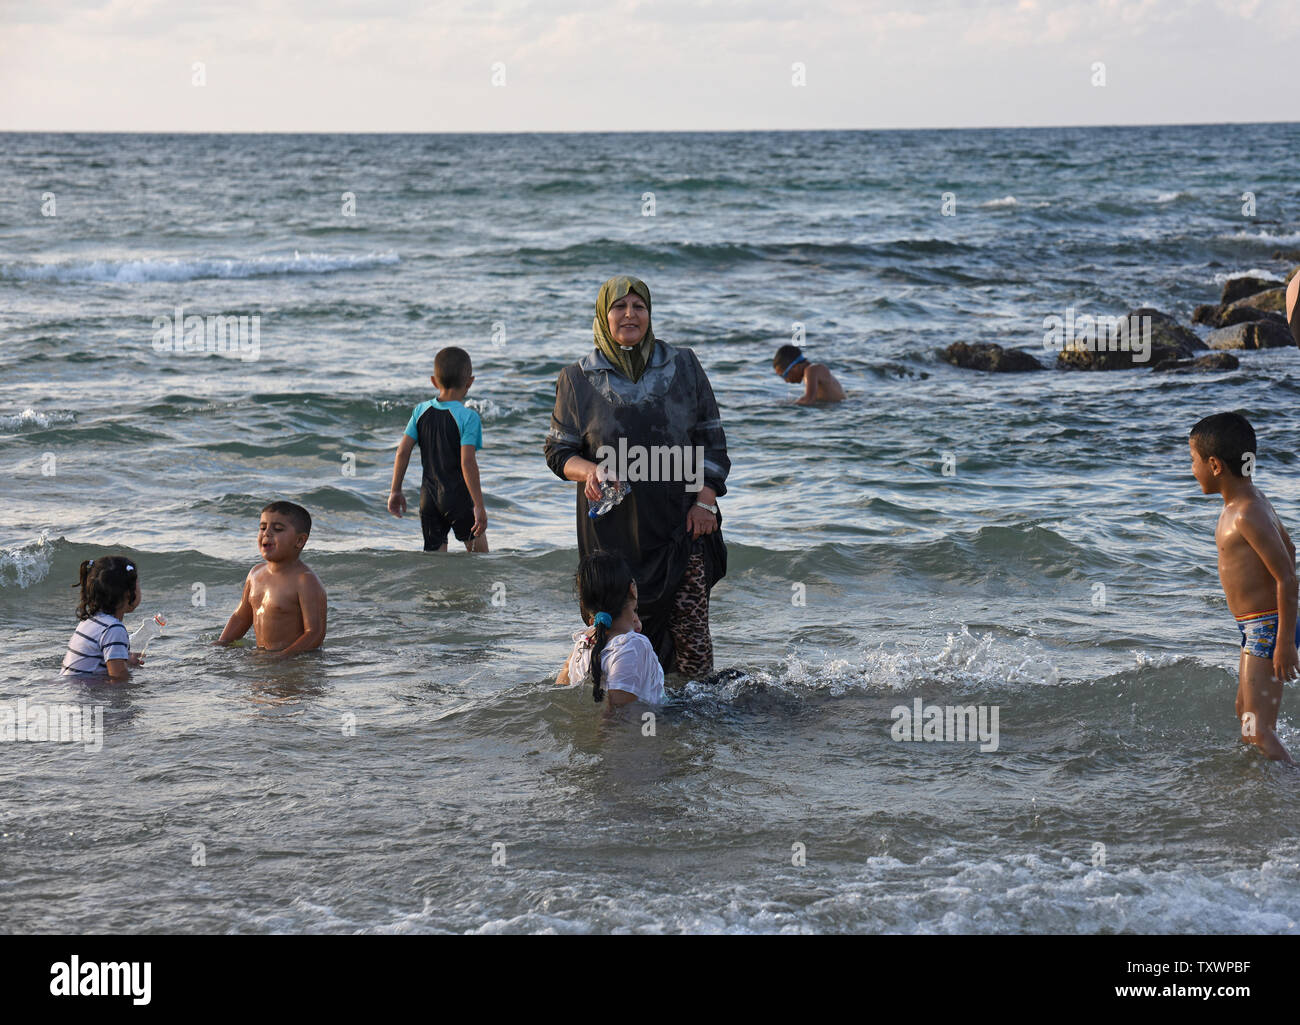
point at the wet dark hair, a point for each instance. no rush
(1226, 436)
(603, 582)
(295, 514)
(785, 355)
(106, 583)
(452, 367)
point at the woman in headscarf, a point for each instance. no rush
(637, 401)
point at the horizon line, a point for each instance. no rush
(656, 131)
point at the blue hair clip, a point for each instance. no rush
(603, 619)
(130, 568)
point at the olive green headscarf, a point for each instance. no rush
(630, 362)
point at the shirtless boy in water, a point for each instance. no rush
(283, 601)
(1293, 307)
(819, 384)
(1257, 570)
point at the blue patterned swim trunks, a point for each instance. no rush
(1259, 633)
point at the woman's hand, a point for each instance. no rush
(595, 478)
(589, 474)
(135, 659)
(700, 521)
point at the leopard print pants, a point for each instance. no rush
(689, 621)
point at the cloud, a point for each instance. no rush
(403, 65)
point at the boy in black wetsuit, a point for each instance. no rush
(449, 434)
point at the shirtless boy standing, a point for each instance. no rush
(1293, 307)
(819, 384)
(1257, 570)
(283, 601)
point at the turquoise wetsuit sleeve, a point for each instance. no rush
(471, 427)
(410, 431)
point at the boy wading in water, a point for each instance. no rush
(283, 601)
(1257, 570)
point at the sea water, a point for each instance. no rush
(1032, 548)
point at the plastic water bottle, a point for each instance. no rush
(148, 630)
(611, 493)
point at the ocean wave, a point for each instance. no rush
(144, 270)
(949, 889)
(32, 418)
(726, 254)
(967, 662)
(1169, 197)
(1264, 237)
(1255, 272)
(994, 204)
(24, 565)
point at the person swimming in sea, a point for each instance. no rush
(819, 384)
(283, 601)
(100, 645)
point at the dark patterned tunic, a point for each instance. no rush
(672, 406)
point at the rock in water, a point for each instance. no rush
(1271, 301)
(1240, 288)
(1214, 361)
(1207, 313)
(1244, 314)
(1254, 334)
(1169, 341)
(991, 357)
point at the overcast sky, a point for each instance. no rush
(582, 65)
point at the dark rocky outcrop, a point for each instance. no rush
(1254, 334)
(1240, 288)
(1214, 361)
(989, 356)
(1242, 294)
(1271, 301)
(1244, 314)
(1170, 340)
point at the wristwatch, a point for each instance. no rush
(712, 508)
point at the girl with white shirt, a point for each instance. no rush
(100, 646)
(618, 660)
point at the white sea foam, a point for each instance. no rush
(965, 661)
(1004, 201)
(490, 410)
(1254, 272)
(945, 891)
(27, 564)
(1168, 197)
(31, 418)
(1267, 237)
(135, 271)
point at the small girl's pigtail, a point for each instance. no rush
(80, 585)
(603, 622)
